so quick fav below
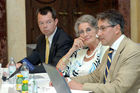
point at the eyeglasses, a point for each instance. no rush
(81, 32)
(102, 28)
(47, 22)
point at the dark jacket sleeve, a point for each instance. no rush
(62, 42)
(37, 53)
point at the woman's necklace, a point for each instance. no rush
(88, 56)
(93, 53)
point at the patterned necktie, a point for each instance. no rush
(47, 50)
(109, 60)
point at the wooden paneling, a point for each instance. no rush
(3, 34)
(124, 8)
(69, 10)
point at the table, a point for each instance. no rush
(42, 80)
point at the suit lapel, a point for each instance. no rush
(43, 48)
(115, 59)
(53, 46)
(103, 63)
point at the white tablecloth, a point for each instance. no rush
(42, 83)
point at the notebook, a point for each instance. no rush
(58, 81)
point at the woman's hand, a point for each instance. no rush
(78, 43)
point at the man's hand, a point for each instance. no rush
(75, 85)
(50, 84)
(18, 65)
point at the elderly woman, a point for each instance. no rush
(87, 51)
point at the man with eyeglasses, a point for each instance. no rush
(119, 71)
(53, 44)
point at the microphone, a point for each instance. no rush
(17, 70)
(29, 65)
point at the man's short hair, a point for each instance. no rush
(113, 17)
(45, 10)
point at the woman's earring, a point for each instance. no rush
(97, 36)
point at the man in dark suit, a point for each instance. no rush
(53, 44)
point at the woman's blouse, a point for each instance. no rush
(78, 67)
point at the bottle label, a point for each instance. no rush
(12, 69)
(24, 91)
(18, 86)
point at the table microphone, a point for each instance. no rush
(17, 70)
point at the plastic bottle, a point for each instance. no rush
(35, 86)
(25, 71)
(25, 86)
(19, 82)
(12, 69)
(31, 84)
(11, 66)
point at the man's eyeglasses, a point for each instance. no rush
(102, 28)
(47, 22)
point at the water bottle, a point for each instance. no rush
(11, 66)
(12, 69)
(19, 82)
(25, 86)
(35, 86)
(32, 84)
(25, 71)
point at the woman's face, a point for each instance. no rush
(88, 33)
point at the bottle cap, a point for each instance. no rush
(19, 75)
(25, 81)
(12, 59)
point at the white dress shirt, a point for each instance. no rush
(116, 44)
(50, 38)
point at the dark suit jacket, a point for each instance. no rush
(61, 43)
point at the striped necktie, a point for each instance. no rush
(47, 51)
(109, 60)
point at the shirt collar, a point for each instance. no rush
(50, 38)
(116, 44)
